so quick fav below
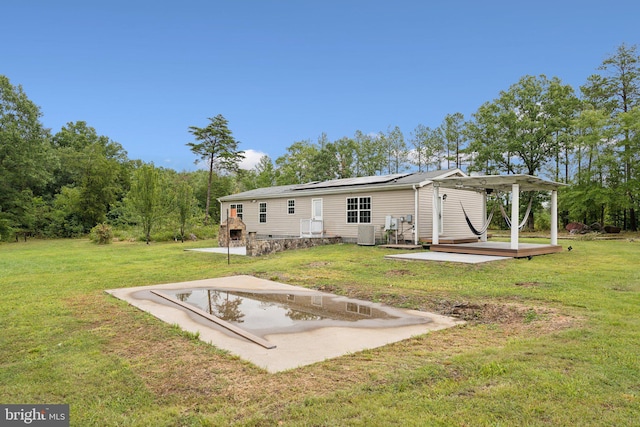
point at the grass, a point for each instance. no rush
(551, 341)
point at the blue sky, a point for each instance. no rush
(142, 72)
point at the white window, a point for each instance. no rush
(263, 212)
(291, 207)
(238, 208)
(359, 210)
(352, 307)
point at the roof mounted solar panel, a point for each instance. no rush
(347, 182)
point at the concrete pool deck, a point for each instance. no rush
(292, 350)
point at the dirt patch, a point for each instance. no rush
(396, 273)
(319, 264)
(528, 284)
(328, 288)
(509, 314)
(276, 276)
(486, 312)
(514, 318)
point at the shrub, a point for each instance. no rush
(101, 234)
(543, 221)
(5, 229)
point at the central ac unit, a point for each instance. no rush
(366, 235)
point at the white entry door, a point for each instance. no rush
(317, 226)
(316, 209)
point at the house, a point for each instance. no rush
(390, 208)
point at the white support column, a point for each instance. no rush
(554, 217)
(435, 220)
(515, 214)
(483, 238)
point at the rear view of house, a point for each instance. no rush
(383, 208)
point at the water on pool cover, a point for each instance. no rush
(263, 313)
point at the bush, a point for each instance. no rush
(101, 234)
(543, 220)
(5, 230)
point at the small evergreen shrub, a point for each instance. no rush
(101, 234)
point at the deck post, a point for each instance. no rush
(483, 238)
(554, 217)
(515, 215)
(435, 214)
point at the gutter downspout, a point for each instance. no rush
(416, 209)
(415, 215)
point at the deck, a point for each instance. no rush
(497, 249)
(453, 240)
(402, 247)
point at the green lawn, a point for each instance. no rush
(551, 341)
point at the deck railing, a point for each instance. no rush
(311, 228)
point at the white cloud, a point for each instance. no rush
(251, 159)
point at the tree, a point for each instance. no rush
(92, 164)
(619, 91)
(589, 195)
(452, 129)
(628, 123)
(26, 159)
(517, 131)
(370, 154)
(345, 153)
(427, 147)
(487, 141)
(419, 141)
(396, 150)
(147, 198)
(296, 165)
(218, 148)
(265, 173)
(436, 147)
(185, 203)
(324, 163)
(563, 115)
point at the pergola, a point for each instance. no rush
(513, 184)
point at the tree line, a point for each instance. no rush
(587, 138)
(64, 184)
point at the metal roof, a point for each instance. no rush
(343, 185)
(259, 193)
(498, 183)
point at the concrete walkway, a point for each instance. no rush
(446, 257)
(242, 250)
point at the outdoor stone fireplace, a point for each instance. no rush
(232, 233)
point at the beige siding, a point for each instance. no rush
(454, 224)
(397, 203)
(279, 221)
